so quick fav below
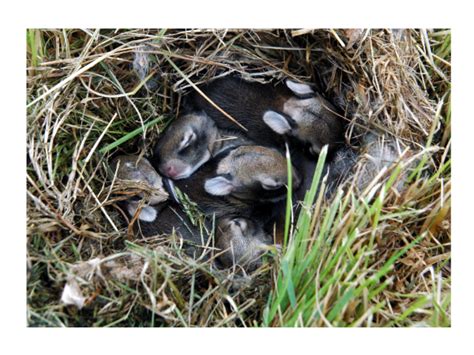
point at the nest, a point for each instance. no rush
(377, 257)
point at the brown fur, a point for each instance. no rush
(314, 122)
(207, 142)
(132, 168)
(238, 239)
(243, 241)
(245, 167)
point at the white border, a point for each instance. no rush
(243, 14)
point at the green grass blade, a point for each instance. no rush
(130, 135)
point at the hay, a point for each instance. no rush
(95, 94)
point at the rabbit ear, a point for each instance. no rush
(218, 186)
(269, 183)
(147, 214)
(299, 88)
(277, 122)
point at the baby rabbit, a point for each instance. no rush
(243, 241)
(239, 181)
(190, 141)
(239, 241)
(140, 174)
(156, 215)
(270, 112)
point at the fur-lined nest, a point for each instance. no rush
(377, 257)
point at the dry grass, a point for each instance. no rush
(378, 258)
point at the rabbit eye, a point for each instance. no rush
(188, 138)
(271, 186)
(240, 223)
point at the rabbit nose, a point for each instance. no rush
(170, 171)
